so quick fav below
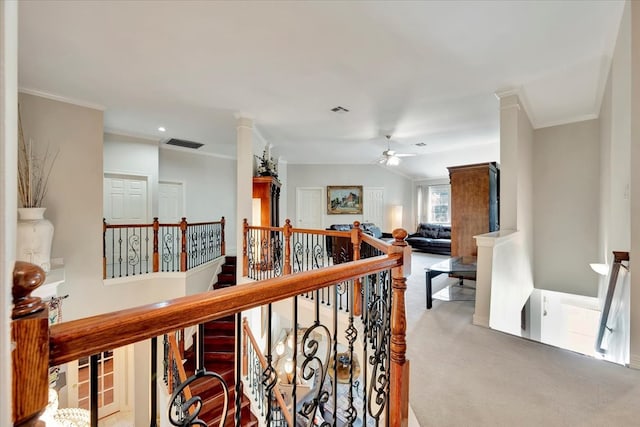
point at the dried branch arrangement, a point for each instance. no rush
(33, 171)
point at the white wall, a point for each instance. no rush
(74, 200)
(398, 189)
(566, 207)
(134, 156)
(620, 161)
(635, 179)
(209, 185)
(8, 196)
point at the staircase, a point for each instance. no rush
(219, 356)
(227, 275)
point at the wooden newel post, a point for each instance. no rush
(356, 239)
(399, 383)
(287, 247)
(104, 248)
(223, 247)
(156, 255)
(183, 245)
(245, 254)
(30, 343)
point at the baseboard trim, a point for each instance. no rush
(481, 321)
(634, 361)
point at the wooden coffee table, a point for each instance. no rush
(460, 267)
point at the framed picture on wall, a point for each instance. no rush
(344, 199)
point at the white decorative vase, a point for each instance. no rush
(34, 237)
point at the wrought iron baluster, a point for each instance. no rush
(146, 243)
(120, 251)
(351, 333)
(238, 374)
(93, 369)
(154, 380)
(335, 357)
(269, 376)
(294, 391)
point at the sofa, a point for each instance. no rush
(433, 238)
(341, 248)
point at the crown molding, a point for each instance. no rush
(144, 138)
(60, 98)
(575, 119)
(522, 102)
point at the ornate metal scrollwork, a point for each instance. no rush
(318, 256)
(193, 238)
(276, 250)
(133, 250)
(351, 334)
(378, 331)
(167, 243)
(298, 252)
(187, 411)
(314, 367)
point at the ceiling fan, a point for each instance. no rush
(390, 157)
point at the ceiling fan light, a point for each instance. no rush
(393, 161)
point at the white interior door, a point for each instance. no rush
(309, 207)
(170, 202)
(373, 207)
(125, 199)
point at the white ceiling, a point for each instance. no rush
(426, 71)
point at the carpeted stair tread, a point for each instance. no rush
(219, 357)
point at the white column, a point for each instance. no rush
(8, 189)
(509, 110)
(244, 191)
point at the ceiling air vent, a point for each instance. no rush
(184, 143)
(339, 109)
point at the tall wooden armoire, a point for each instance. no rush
(474, 205)
(267, 189)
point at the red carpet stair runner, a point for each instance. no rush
(219, 356)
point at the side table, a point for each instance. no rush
(460, 267)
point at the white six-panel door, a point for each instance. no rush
(170, 202)
(373, 206)
(309, 207)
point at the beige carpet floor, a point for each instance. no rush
(466, 375)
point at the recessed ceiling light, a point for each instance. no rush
(161, 129)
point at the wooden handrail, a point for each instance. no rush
(376, 243)
(83, 337)
(263, 362)
(107, 225)
(155, 226)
